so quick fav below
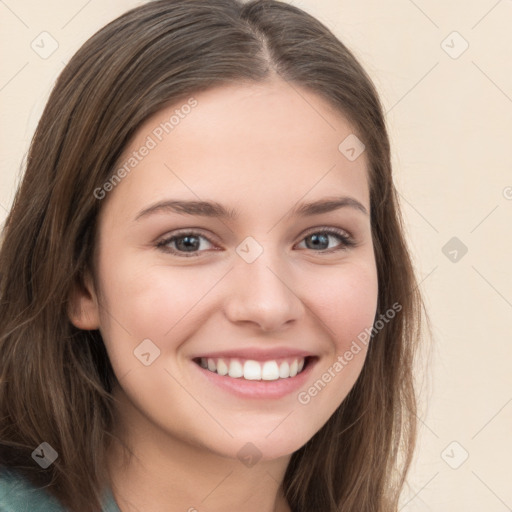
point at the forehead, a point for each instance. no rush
(243, 145)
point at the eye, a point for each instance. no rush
(188, 243)
(185, 244)
(319, 240)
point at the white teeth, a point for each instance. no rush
(284, 370)
(270, 371)
(222, 367)
(254, 370)
(235, 369)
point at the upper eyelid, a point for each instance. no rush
(327, 228)
(181, 233)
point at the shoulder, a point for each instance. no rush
(18, 495)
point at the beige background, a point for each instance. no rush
(450, 121)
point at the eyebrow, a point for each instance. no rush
(214, 209)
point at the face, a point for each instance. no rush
(264, 291)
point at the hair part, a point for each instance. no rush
(56, 379)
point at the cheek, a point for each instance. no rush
(144, 300)
(345, 301)
(346, 306)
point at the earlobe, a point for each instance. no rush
(83, 311)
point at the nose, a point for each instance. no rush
(262, 293)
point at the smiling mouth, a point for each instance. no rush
(248, 369)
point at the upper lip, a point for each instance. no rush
(256, 353)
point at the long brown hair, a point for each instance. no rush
(55, 379)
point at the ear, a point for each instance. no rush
(83, 310)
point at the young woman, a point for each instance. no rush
(207, 302)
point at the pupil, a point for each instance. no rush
(318, 240)
(187, 245)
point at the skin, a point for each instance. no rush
(259, 149)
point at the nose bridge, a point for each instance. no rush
(261, 291)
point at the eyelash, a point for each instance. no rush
(346, 241)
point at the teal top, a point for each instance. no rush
(18, 495)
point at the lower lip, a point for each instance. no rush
(263, 389)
